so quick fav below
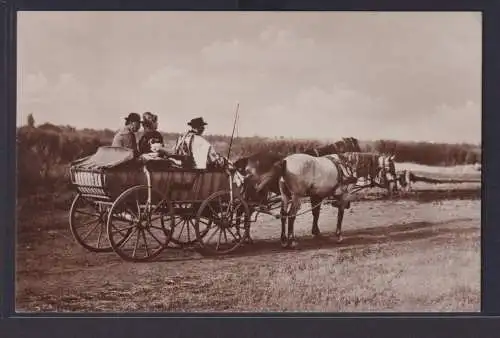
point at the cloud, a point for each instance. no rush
(273, 49)
(324, 113)
(371, 75)
(67, 98)
(461, 123)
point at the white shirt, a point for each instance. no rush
(201, 150)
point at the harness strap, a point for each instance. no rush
(344, 177)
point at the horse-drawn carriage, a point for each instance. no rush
(139, 208)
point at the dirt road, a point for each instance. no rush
(401, 255)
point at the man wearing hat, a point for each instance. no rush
(125, 137)
(201, 152)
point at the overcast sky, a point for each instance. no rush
(408, 76)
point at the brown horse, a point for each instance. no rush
(377, 169)
(347, 144)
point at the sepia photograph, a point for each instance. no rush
(248, 161)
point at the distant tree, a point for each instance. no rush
(31, 121)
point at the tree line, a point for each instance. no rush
(45, 151)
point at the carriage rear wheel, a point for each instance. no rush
(229, 224)
(87, 222)
(140, 228)
(184, 233)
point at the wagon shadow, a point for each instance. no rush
(367, 236)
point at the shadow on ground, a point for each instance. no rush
(360, 237)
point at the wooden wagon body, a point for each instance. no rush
(118, 190)
(179, 184)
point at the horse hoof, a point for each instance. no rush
(339, 239)
(293, 245)
(284, 244)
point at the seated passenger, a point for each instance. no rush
(200, 152)
(125, 137)
(151, 134)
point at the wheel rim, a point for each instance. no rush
(88, 224)
(137, 230)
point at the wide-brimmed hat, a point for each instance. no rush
(133, 117)
(197, 122)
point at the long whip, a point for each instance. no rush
(234, 127)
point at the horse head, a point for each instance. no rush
(240, 165)
(256, 168)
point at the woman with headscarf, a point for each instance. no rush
(151, 135)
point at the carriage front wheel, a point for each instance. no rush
(140, 226)
(87, 222)
(229, 224)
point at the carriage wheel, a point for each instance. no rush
(184, 233)
(138, 230)
(229, 224)
(87, 222)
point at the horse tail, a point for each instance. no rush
(277, 171)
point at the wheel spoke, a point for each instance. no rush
(121, 230)
(86, 213)
(90, 231)
(218, 240)
(213, 233)
(91, 221)
(99, 237)
(139, 214)
(128, 237)
(212, 209)
(152, 235)
(136, 243)
(145, 242)
(225, 235)
(229, 230)
(182, 229)
(189, 229)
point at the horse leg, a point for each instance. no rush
(315, 211)
(292, 212)
(340, 217)
(343, 204)
(283, 213)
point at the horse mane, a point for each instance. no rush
(351, 144)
